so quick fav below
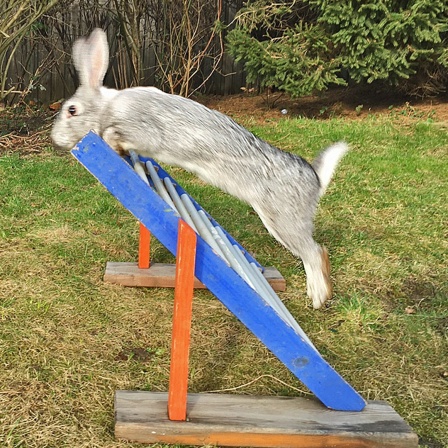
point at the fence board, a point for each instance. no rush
(48, 53)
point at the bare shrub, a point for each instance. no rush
(17, 17)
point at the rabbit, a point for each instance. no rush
(283, 189)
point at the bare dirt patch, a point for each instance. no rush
(354, 103)
(25, 129)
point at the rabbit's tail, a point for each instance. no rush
(326, 162)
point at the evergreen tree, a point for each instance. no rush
(301, 46)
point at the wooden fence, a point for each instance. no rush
(42, 63)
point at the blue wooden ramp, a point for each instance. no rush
(290, 346)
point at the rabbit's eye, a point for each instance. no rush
(72, 110)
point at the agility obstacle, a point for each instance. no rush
(205, 251)
(145, 273)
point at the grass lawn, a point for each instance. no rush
(68, 340)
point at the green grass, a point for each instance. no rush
(68, 340)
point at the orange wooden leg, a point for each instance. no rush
(180, 344)
(144, 246)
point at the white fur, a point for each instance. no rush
(325, 164)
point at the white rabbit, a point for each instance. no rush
(283, 188)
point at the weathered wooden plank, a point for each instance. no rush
(247, 305)
(159, 275)
(235, 420)
(162, 275)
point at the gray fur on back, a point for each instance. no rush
(181, 132)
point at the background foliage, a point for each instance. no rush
(296, 46)
(175, 45)
(304, 46)
(16, 20)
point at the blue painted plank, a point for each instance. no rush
(246, 304)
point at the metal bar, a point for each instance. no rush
(255, 281)
(159, 185)
(226, 247)
(138, 166)
(178, 203)
(265, 290)
(163, 174)
(237, 265)
(280, 306)
(202, 228)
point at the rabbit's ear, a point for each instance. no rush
(79, 56)
(91, 58)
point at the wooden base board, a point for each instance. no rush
(237, 420)
(162, 275)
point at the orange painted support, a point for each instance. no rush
(144, 248)
(183, 303)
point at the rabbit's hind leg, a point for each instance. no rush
(296, 235)
(316, 264)
(317, 267)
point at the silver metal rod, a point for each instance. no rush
(253, 278)
(240, 268)
(160, 188)
(280, 306)
(178, 203)
(263, 287)
(213, 232)
(138, 166)
(200, 225)
(226, 247)
(264, 284)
